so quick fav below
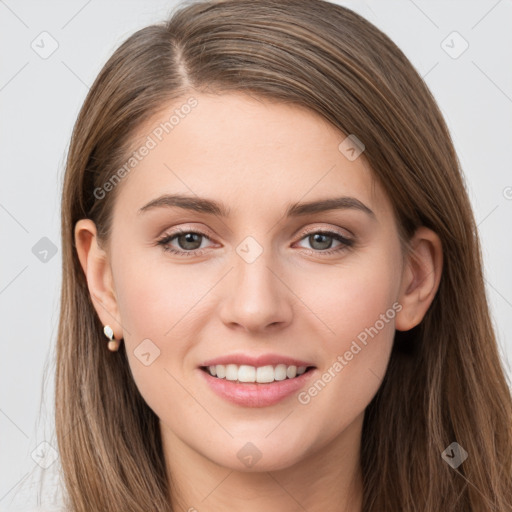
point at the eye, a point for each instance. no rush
(321, 240)
(189, 242)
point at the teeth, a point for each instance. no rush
(246, 373)
(231, 372)
(280, 372)
(291, 371)
(265, 374)
(262, 374)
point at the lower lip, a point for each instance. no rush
(255, 394)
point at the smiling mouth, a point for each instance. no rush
(251, 374)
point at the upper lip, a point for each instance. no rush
(261, 360)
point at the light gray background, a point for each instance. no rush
(40, 99)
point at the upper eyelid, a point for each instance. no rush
(315, 229)
(206, 231)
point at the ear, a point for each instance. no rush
(420, 279)
(96, 267)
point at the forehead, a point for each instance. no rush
(251, 153)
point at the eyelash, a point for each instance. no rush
(346, 243)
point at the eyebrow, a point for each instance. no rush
(203, 205)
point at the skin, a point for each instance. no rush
(257, 157)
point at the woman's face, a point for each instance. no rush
(254, 282)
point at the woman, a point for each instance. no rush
(207, 358)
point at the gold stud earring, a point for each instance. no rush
(113, 345)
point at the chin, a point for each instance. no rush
(259, 454)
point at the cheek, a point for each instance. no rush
(353, 368)
(352, 299)
(161, 307)
(152, 298)
(151, 302)
(360, 307)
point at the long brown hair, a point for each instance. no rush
(444, 383)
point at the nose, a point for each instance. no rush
(257, 297)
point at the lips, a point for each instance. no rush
(256, 381)
(250, 394)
